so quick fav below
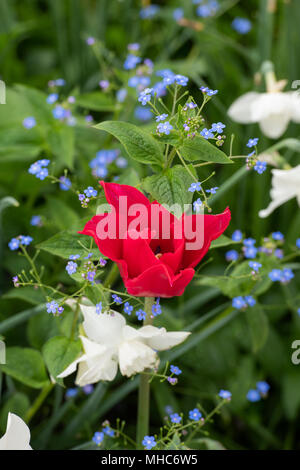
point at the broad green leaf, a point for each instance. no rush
(18, 404)
(173, 138)
(259, 326)
(291, 396)
(61, 214)
(130, 177)
(28, 294)
(222, 241)
(207, 443)
(170, 187)
(61, 141)
(25, 365)
(42, 327)
(59, 352)
(221, 282)
(199, 148)
(23, 101)
(96, 101)
(18, 153)
(139, 145)
(68, 243)
(240, 281)
(37, 105)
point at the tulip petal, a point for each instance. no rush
(17, 436)
(158, 281)
(110, 246)
(113, 191)
(214, 226)
(137, 255)
(173, 260)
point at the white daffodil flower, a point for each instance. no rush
(17, 436)
(109, 342)
(273, 110)
(285, 186)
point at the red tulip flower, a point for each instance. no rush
(156, 260)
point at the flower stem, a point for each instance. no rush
(38, 402)
(144, 388)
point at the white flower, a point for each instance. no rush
(285, 186)
(17, 434)
(109, 342)
(272, 110)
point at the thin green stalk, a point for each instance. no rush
(38, 402)
(194, 178)
(76, 315)
(144, 389)
(34, 270)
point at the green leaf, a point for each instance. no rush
(222, 241)
(18, 404)
(68, 243)
(259, 326)
(25, 365)
(173, 138)
(139, 145)
(291, 395)
(36, 102)
(206, 443)
(96, 101)
(58, 353)
(200, 149)
(28, 294)
(41, 328)
(130, 177)
(171, 187)
(61, 214)
(240, 281)
(175, 443)
(18, 152)
(61, 141)
(23, 101)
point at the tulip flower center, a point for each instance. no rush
(161, 246)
